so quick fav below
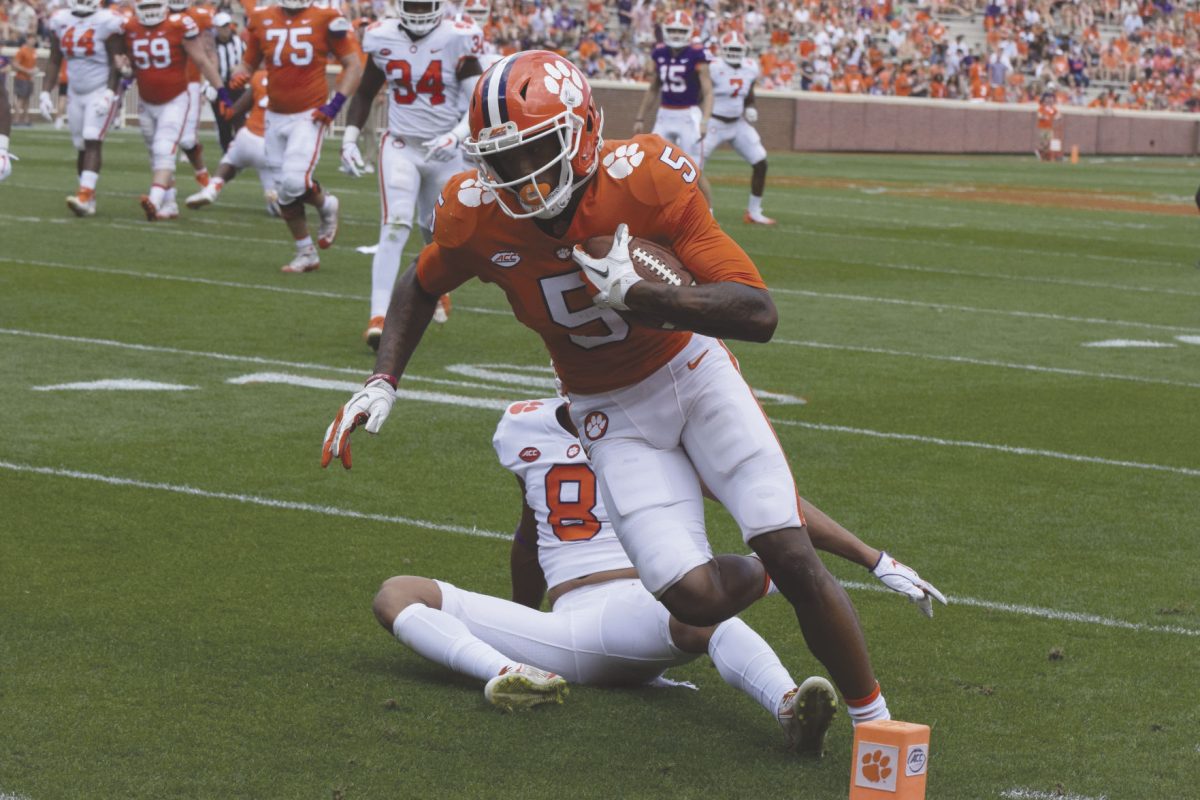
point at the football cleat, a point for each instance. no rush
(329, 222)
(806, 713)
(523, 686)
(149, 207)
(81, 205)
(441, 311)
(306, 260)
(169, 211)
(757, 219)
(374, 333)
(201, 198)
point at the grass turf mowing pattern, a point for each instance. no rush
(163, 645)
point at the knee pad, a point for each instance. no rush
(187, 141)
(162, 158)
(292, 188)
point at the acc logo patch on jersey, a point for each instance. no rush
(472, 194)
(621, 163)
(506, 259)
(595, 425)
(530, 454)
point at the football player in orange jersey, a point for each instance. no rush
(160, 46)
(203, 17)
(658, 410)
(246, 150)
(293, 39)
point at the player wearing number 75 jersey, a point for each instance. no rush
(656, 407)
(605, 628)
(429, 66)
(160, 46)
(293, 39)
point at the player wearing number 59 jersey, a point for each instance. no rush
(734, 115)
(293, 39)
(428, 65)
(160, 46)
(86, 36)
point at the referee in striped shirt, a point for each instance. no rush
(229, 54)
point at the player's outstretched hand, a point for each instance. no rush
(352, 158)
(6, 159)
(440, 148)
(370, 405)
(750, 114)
(46, 106)
(906, 581)
(613, 274)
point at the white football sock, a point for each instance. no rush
(169, 196)
(386, 266)
(748, 663)
(216, 184)
(157, 190)
(755, 206)
(88, 178)
(304, 244)
(871, 708)
(445, 640)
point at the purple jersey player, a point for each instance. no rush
(681, 76)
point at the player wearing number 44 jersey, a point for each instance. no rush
(429, 66)
(656, 407)
(159, 46)
(605, 628)
(87, 36)
(734, 115)
(293, 40)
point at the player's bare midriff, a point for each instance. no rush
(589, 580)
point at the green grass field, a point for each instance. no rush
(185, 595)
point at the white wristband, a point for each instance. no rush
(350, 135)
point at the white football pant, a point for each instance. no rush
(680, 127)
(293, 147)
(162, 127)
(741, 134)
(89, 116)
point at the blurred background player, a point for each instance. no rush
(604, 628)
(229, 51)
(24, 66)
(86, 37)
(734, 115)
(160, 47)
(294, 40)
(430, 65)
(6, 158)
(480, 12)
(1047, 119)
(202, 16)
(679, 79)
(246, 150)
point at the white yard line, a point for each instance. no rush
(1034, 794)
(896, 301)
(334, 511)
(985, 362)
(349, 387)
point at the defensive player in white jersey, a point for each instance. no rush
(6, 158)
(430, 65)
(88, 37)
(734, 115)
(605, 628)
(480, 12)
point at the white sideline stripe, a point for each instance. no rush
(999, 448)
(117, 385)
(1119, 343)
(1188, 339)
(353, 386)
(896, 301)
(1034, 794)
(1033, 611)
(797, 423)
(985, 362)
(250, 499)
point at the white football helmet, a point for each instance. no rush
(733, 48)
(179, 6)
(81, 8)
(151, 12)
(419, 16)
(677, 30)
(478, 10)
(295, 5)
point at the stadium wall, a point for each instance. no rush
(817, 122)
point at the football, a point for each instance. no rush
(651, 261)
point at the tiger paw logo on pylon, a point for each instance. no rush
(876, 766)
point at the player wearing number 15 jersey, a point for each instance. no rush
(680, 81)
(159, 46)
(86, 36)
(429, 66)
(293, 39)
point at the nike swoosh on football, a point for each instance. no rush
(695, 362)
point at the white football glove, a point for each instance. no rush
(613, 274)
(6, 159)
(46, 106)
(440, 148)
(370, 405)
(906, 581)
(352, 159)
(210, 91)
(750, 114)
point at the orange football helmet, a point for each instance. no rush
(530, 113)
(677, 29)
(733, 48)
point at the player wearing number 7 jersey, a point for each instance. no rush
(429, 66)
(656, 407)
(605, 628)
(293, 40)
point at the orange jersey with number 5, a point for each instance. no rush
(645, 183)
(293, 47)
(158, 58)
